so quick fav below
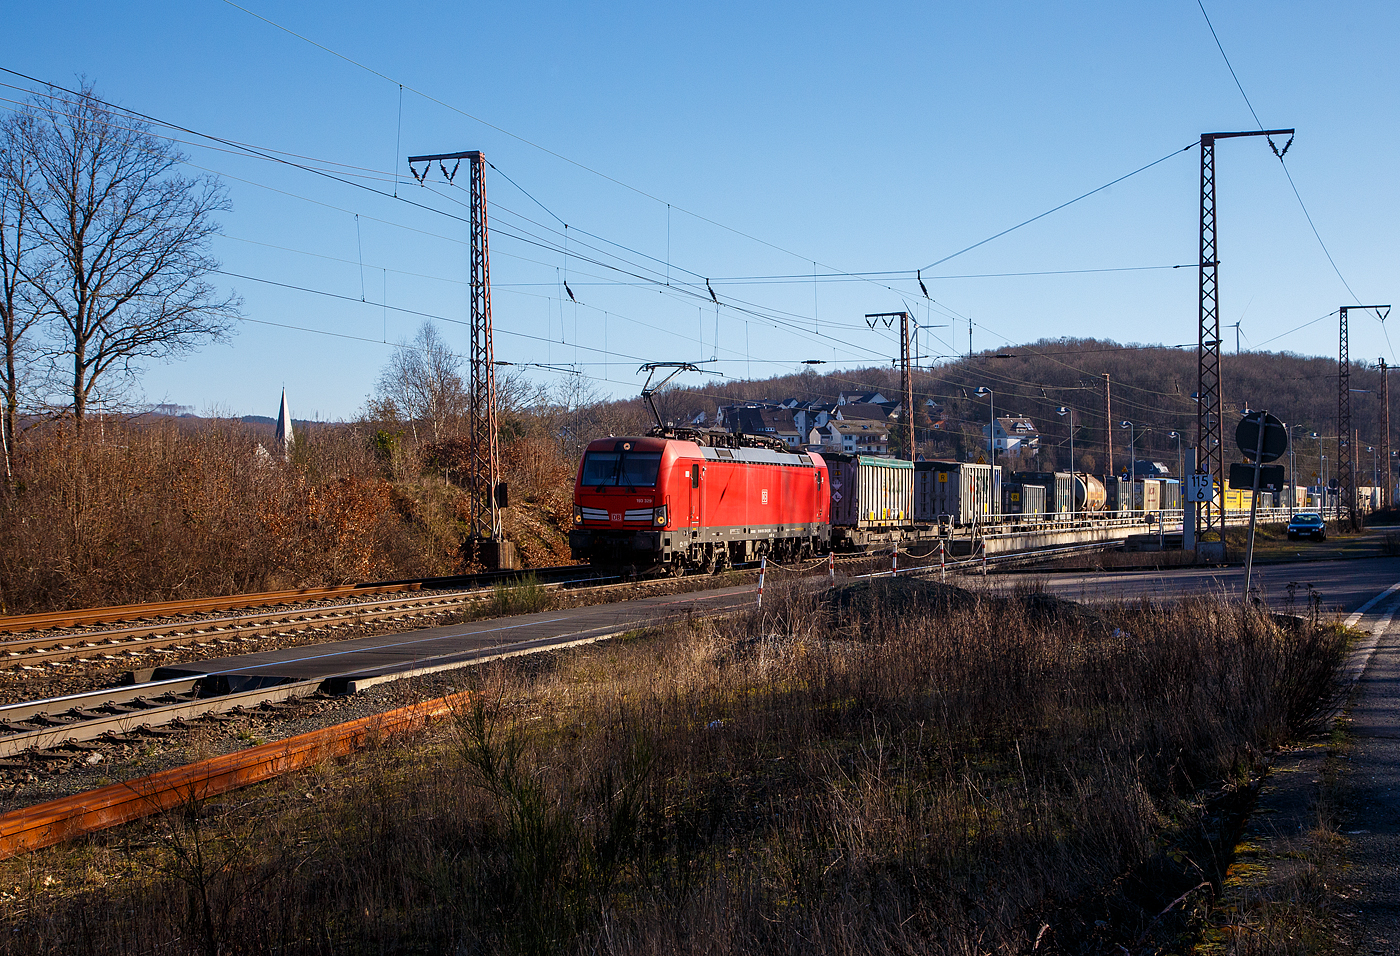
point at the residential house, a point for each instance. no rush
(861, 398)
(1013, 434)
(858, 437)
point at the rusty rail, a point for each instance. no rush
(46, 824)
(134, 612)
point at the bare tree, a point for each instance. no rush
(17, 312)
(121, 239)
(423, 383)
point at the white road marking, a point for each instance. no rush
(1356, 616)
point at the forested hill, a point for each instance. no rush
(1151, 386)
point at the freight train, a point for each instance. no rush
(701, 499)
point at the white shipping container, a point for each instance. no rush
(962, 492)
(869, 492)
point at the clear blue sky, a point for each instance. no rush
(877, 137)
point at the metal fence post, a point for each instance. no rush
(762, 571)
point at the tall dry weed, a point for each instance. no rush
(160, 511)
(886, 768)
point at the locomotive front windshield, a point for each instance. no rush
(629, 468)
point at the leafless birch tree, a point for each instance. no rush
(18, 314)
(423, 384)
(121, 241)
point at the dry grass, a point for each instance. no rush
(892, 767)
(161, 511)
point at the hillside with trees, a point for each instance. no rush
(162, 507)
(1151, 387)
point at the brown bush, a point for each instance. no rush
(145, 512)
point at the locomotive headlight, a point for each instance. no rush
(578, 515)
(661, 517)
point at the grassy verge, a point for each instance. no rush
(894, 766)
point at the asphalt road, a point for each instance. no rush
(1341, 585)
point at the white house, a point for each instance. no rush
(859, 437)
(1013, 434)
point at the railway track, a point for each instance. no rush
(118, 714)
(135, 641)
(115, 714)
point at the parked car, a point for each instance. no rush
(1307, 524)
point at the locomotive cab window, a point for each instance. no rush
(629, 468)
(695, 476)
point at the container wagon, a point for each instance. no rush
(1171, 494)
(1058, 485)
(1118, 495)
(1089, 494)
(872, 499)
(961, 493)
(1018, 498)
(1147, 496)
(1238, 499)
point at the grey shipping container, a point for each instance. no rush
(868, 492)
(1058, 485)
(963, 492)
(1022, 499)
(1171, 494)
(1119, 495)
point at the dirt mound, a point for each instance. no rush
(896, 596)
(900, 597)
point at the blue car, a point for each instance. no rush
(1307, 525)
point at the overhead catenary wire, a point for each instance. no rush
(1294, 186)
(753, 309)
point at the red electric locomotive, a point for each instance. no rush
(690, 499)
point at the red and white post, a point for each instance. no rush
(831, 566)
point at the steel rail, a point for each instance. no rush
(134, 612)
(133, 640)
(96, 640)
(85, 727)
(95, 699)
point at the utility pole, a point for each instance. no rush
(1108, 423)
(1346, 444)
(1385, 431)
(483, 477)
(1345, 478)
(906, 374)
(1209, 447)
